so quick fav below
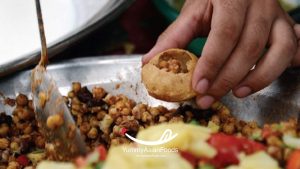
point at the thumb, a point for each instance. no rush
(177, 35)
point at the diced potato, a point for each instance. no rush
(291, 141)
(55, 165)
(189, 137)
(35, 157)
(105, 123)
(259, 160)
(234, 167)
(122, 158)
(214, 128)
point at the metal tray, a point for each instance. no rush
(66, 21)
(120, 74)
(116, 74)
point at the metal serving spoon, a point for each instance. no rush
(52, 113)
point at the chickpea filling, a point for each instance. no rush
(55, 121)
(174, 62)
(103, 119)
(42, 99)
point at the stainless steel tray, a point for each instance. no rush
(117, 74)
(279, 101)
(66, 21)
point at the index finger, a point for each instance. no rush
(226, 26)
(181, 31)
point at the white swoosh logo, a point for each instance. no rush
(166, 137)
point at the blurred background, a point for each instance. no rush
(80, 28)
(137, 29)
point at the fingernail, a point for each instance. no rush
(205, 102)
(202, 86)
(243, 91)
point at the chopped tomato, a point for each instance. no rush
(294, 160)
(193, 160)
(23, 160)
(267, 131)
(123, 131)
(102, 152)
(80, 161)
(229, 147)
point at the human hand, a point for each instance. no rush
(238, 33)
